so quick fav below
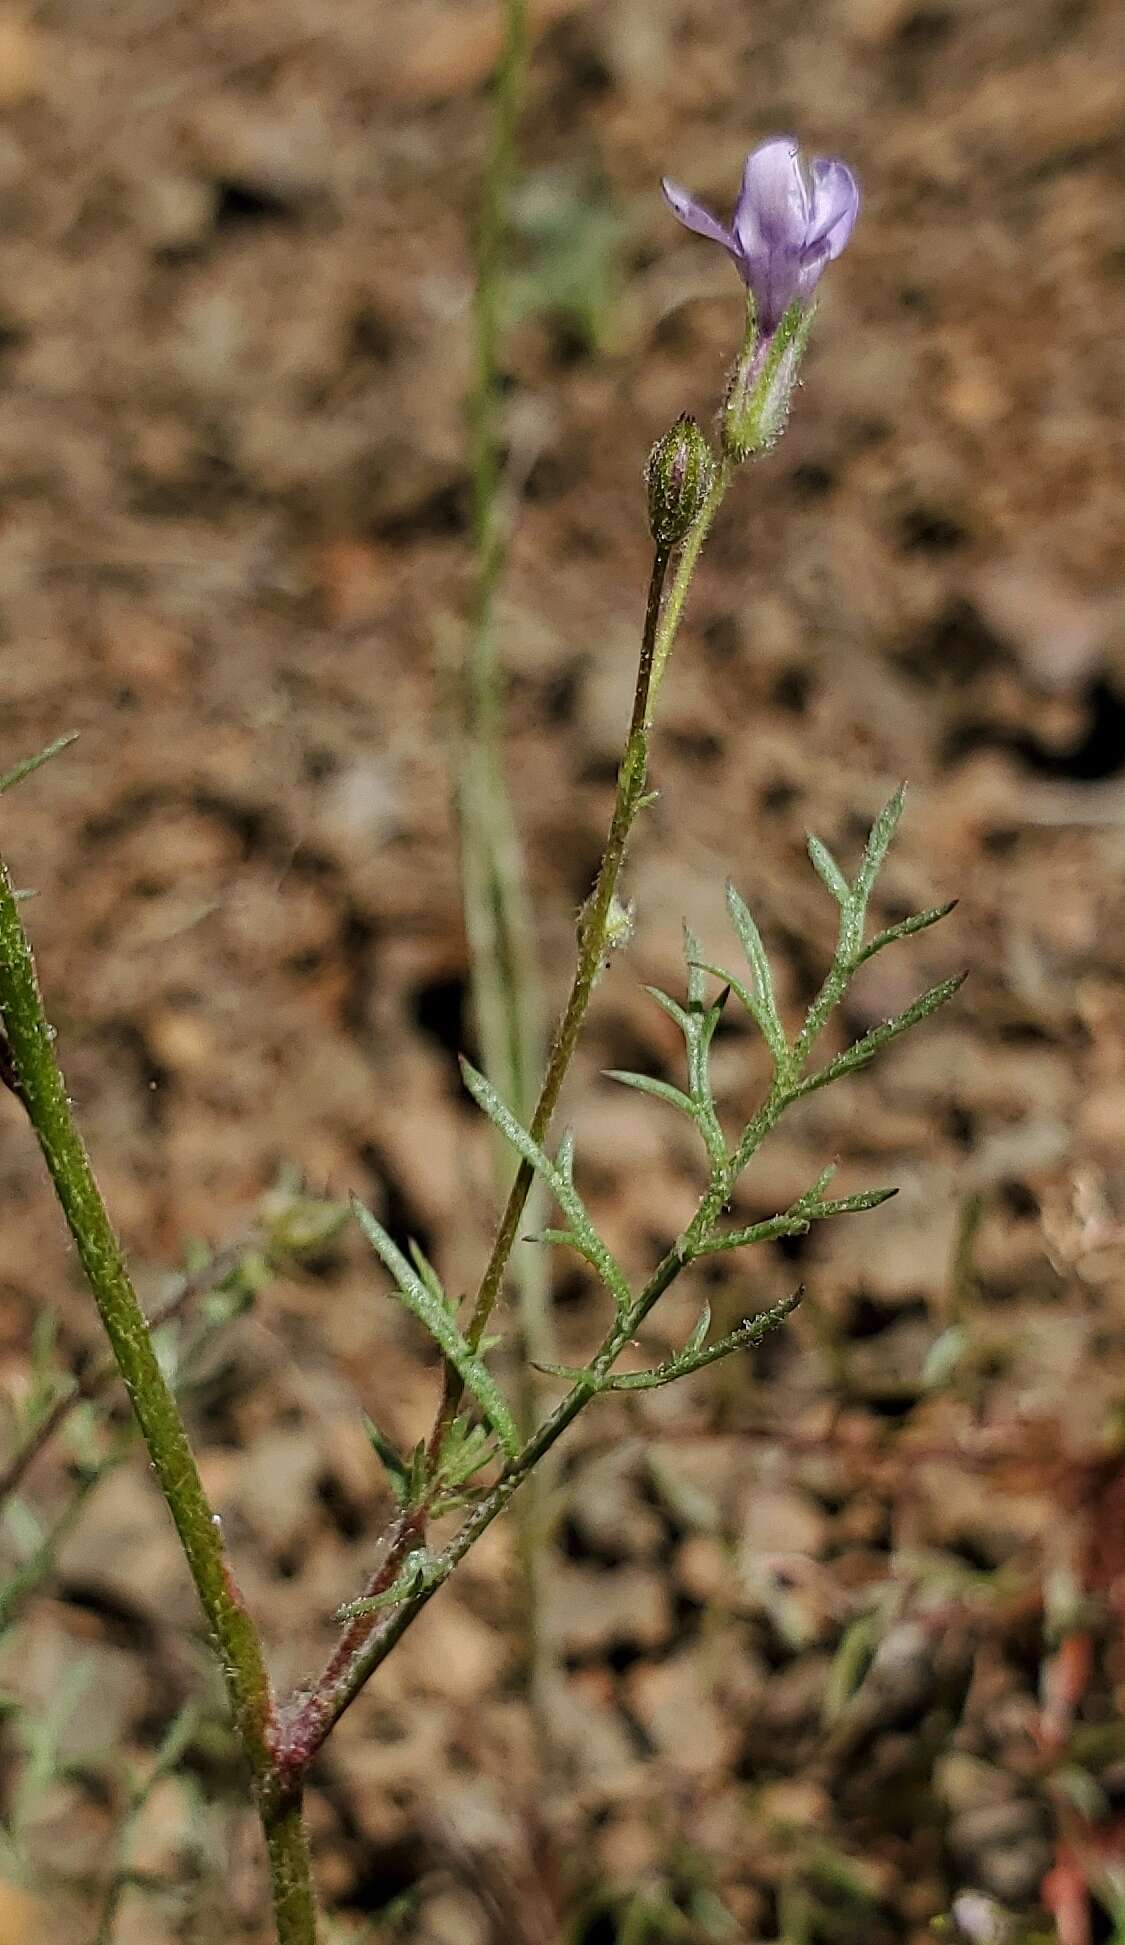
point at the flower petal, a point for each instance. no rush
(813, 264)
(773, 204)
(835, 205)
(693, 215)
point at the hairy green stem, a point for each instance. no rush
(592, 946)
(287, 1844)
(685, 568)
(39, 1084)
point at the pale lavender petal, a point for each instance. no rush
(773, 203)
(775, 282)
(789, 222)
(694, 216)
(835, 205)
(813, 264)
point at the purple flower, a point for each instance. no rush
(789, 221)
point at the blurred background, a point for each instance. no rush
(835, 1634)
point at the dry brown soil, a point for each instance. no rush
(234, 290)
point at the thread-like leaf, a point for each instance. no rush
(428, 1274)
(566, 1239)
(660, 1090)
(905, 929)
(865, 1049)
(693, 953)
(878, 844)
(826, 868)
(763, 1004)
(699, 1029)
(852, 1205)
(672, 1007)
(569, 1374)
(432, 1312)
(391, 1459)
(21, 770)
(731, 985)
(412, 1576)
(768, 1231)
(813, 1196)
(698, 1336)
(750, 1332)
(796, 1221)
(561, 1187)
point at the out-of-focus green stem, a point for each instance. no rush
(93, 1382)
(505, 981)
(38, 1083)
(506, 986)
(40, 1563)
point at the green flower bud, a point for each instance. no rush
(679, 474)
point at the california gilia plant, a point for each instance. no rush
(790, 221)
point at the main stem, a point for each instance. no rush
(38, 1082)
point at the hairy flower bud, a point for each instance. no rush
(762, 384)
(679, 474)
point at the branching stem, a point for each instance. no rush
(313, 1713)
